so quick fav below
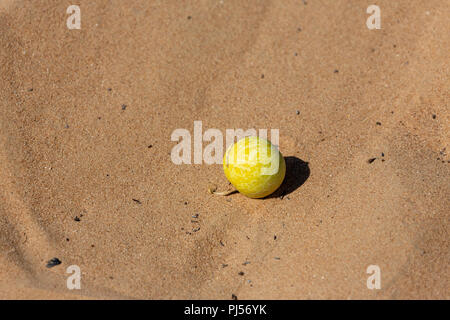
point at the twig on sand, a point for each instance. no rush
(213, 190)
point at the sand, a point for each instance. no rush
(339, 93)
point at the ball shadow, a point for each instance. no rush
(297, 172)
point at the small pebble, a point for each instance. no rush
(53, 262)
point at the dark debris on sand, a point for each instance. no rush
(53, 262)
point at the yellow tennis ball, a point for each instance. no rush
(254, 167)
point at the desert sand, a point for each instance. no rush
(86, 176)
